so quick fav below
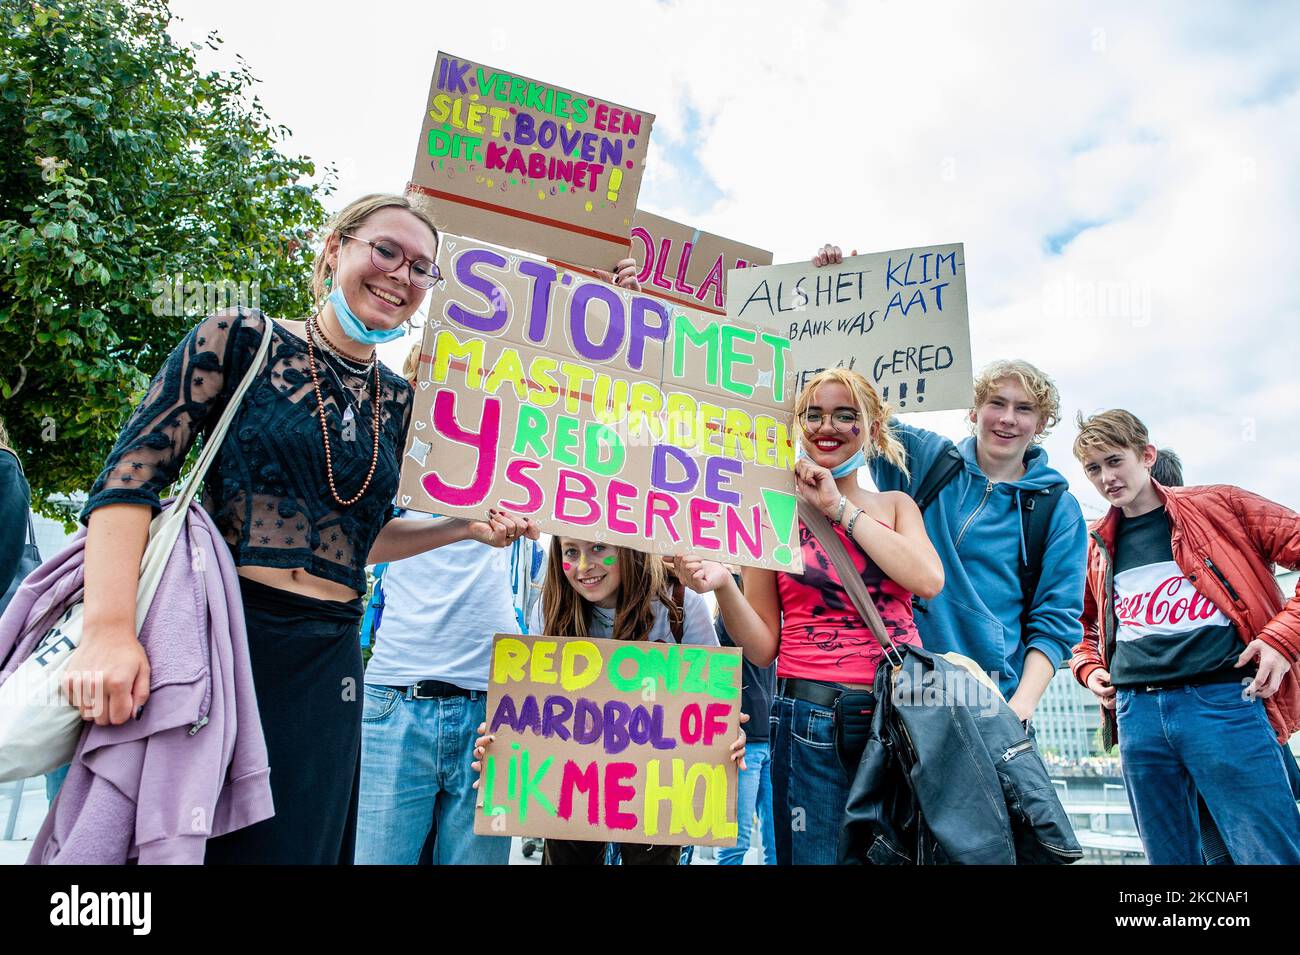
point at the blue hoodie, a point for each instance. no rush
(975, 526)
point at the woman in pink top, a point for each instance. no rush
(808, 623)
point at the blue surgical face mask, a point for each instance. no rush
(859, 460)
(352, 325)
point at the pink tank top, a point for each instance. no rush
(822, 635)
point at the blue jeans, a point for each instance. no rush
(415, 780)
(754, 798)
(810, 788)
(1213, 740)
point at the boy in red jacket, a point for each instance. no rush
(1189, 643)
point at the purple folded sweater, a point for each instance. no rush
(194, 766)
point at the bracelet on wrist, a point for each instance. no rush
(839, 516)
(852, 521)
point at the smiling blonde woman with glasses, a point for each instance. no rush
(301, 490)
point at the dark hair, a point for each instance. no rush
(1168, 469)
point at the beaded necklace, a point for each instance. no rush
(313, 331)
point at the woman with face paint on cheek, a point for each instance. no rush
(808, 623)
(598, 590)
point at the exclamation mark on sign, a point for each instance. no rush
(615, 182)
(920, 391)
(781, 510)
(902, 394)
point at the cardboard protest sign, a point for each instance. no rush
(897, 317)
(601, 414)
(530, 165)
(611, 741)
(686, 266)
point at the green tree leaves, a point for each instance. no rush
(124, 167)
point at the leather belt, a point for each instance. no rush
(1209, 679)
(822, 694)
(434, 690)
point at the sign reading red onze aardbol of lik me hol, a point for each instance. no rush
(529, 165)
(611, 741)
(897, 317)
(601, 413)
(685, 265)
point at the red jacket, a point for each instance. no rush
(1225, 540)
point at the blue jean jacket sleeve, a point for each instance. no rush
(15, 499)
(922, 448)
(1054, 625)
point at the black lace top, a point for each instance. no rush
(267, 491)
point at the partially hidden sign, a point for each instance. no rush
(685, 265)
(897, 317)
(603, 414)
(611, 740)
(530, 165)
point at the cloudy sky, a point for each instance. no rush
(1125, 182)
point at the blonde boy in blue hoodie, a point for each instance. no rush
(975, 523)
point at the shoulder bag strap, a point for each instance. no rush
(189, 486)
(166, 527)
(945, 467)
(1035, 516)
(821, 528)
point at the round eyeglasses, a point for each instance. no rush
(387, 256)
(842, 421)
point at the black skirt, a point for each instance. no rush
(306, 661)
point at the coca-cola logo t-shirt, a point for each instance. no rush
(1169, 633)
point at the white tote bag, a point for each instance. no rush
(39, 727)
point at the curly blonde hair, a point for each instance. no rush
(872, 409)
(1040, 388)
